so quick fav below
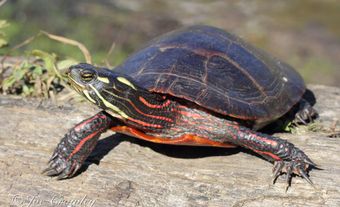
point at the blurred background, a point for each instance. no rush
(304, 33)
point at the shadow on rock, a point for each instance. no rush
(107, 144)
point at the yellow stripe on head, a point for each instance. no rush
(103, 79)
(126, 82)
(110, 105)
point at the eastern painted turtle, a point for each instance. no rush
(196, 86)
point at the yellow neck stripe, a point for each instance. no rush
(86, 93)
(109, 105)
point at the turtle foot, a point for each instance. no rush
(305, 114)
(298, 166)
(61, 167)
(71, 153)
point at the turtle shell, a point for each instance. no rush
(218, 71)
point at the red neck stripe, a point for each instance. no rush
(145, 102)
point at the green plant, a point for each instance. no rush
(40, 74)
(3, 41)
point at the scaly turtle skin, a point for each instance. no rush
(196, 86)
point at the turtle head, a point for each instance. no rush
(107, 89)
(85, 76)
(118, 95)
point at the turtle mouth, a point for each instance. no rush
(75, 84)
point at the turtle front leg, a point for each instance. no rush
(77, 145)
(286, 157)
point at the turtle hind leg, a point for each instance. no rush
(287, 158)
(305, 113)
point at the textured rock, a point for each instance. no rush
(132, 172)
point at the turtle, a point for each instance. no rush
(197, 86)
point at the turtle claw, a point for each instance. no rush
(298, 167)
(49, 171)
(299, 119)
(53, 157)
(309, 162)
(305, 114)
(69, 171)
(303, 174)
(61, 167)
(277, 170)
(53, 168)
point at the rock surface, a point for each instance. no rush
(132, 172)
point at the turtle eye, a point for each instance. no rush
(87, 75)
